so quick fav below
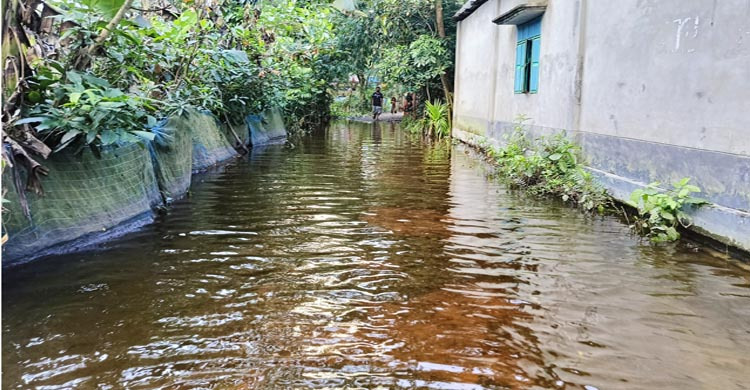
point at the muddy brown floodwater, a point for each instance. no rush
(368, 258)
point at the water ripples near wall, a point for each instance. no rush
(368, 258)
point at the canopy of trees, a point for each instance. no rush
(410, 43)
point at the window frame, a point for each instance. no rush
(528, 51)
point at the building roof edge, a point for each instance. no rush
(467, 9)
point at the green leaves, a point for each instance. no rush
(108, 137)
(33, 119)
(107, 8)
(415, 64)
(74, 77)
(665, 214)
(660, 212)
(69, 135)
(91, 108)
(74, 97)
(226, 59)
(549, 166)
(438, 123)
(429, 53)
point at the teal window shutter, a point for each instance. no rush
(528, 52)
(534, 70)
(520, 85)
(533, 28)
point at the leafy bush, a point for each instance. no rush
(87, 108)
(230, 58)
(438, 121)
(414, 125)
(548, 166)
(551, 166)
(660, 212)
(415, 64)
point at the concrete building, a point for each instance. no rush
(652, 90)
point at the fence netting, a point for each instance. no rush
(86, 195)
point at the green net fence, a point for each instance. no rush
(267, 128)
(210, 143)
(172, 153)
(85, 195)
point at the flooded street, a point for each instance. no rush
(368, 258)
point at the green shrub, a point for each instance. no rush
(661, 212)
(549, 166)
(86, 108)
(438, 119)
(414, 125)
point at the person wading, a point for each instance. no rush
(408, 104)
(377, 104)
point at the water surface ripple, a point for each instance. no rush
(368, 258)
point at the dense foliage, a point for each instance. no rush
(436, 121)
(549, 166)
(101, 84)
(106, 70)
(409, 45)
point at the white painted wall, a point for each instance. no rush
(670, 71)
(652, 90)
(474, 92)
(554, 105)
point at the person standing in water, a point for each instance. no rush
(394, 105)
(377, 104)
(408, 104)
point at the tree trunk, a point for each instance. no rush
(362, 89)
(439, 18)
(111, 25)
(84, 56)
(443, 76)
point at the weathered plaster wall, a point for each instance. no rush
(475, 60)
(651, 90)
(675, 72)
(554, 104)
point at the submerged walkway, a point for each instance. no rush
(385, 117)
(366, 258)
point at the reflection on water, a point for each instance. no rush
(366, 258)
